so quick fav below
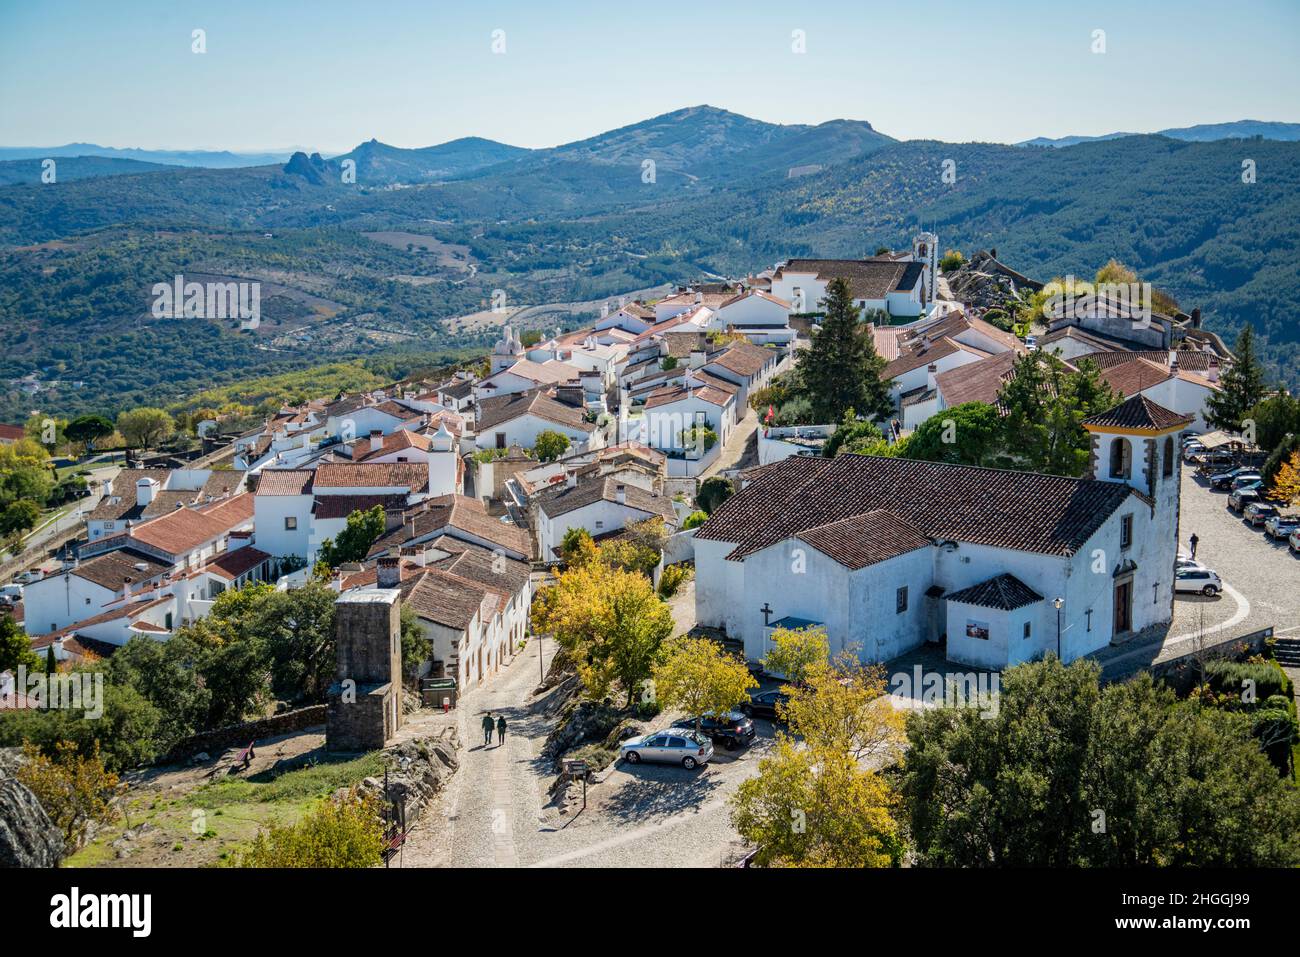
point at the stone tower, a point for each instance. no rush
(925, 250)
(365, 701)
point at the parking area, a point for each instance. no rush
(1261, 576)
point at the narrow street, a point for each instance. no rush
(493, 813)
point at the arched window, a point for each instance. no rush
(1168, 469)
(1121, 458)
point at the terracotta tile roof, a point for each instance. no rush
(677, 393)
(886, 339)
(1137, 412)
(922, 355)
(1005, 592)
(395, 441)
(980, 381)
(549, 372)
(561, 500)
(444, 512)
(754, 292)
(12, 433)
(112, 569)
(128, 610)
(341, 506)
(231, 564)
(862, 540)
(713, 381)
(868, 279)
(285, 482)
(482, 565)
(188, 528)
(1026, 511)
(447, 598)
(743, 358)
(409, 475)
(498, 409)
(223, 482)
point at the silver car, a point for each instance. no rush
(1281, 526)
(674, 746)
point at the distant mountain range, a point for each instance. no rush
(1204, 133)
(208, 159)
(422, 236)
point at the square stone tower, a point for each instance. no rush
(365, 701)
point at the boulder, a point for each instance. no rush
(28, 838)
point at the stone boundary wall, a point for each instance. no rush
(238, 735)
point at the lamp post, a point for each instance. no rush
(1058, 603)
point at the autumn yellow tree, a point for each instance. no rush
(74, 789)
(610, 621)
(1286, 483)
(697, 676)
(795, 651)
(339, 833)
(820, 800)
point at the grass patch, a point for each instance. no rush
(312, 781)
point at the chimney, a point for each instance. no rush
(145, 490)
(699, 297)
(376, 436)
(1212, 373)
(994, 252)
(697, 358)
(126, 587)
(1173, 362)
(570, 478)
(1196, 318)
(620, 494)
(388, 572)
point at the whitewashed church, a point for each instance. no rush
(887, 554)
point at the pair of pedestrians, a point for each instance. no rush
(489, 724)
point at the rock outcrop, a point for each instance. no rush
(28, 838)
(419, 769)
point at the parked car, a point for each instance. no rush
(1204, 581)
(1239, 499)
(731, 730)
(27, 577)
(1247, 480)
(1259, 512)
(674, 746)
(1211, 459)
(1281, 526)
(1181, 563)
(1294, 541)
(763, 704)
(1224, 479)
(12, 590)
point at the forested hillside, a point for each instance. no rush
(361, 269)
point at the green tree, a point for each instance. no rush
(966, 434)
(16, 647)
(795, 652)
(87, 429)
(145, 427)
(1241, 387)
(1066, 774)
(841, 369)
(417, 646)
(20, 516)
(362, 530)
(550, 445)
(713, 492)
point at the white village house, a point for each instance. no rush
(887, 554)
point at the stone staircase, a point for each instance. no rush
(1287, 652)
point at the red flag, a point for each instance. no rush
(771, 413)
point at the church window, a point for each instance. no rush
(1168, 465)
(1126, 531)
(1121, 458)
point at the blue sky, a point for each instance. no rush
(326, 75)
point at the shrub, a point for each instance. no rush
(672, 579)
(695, 519)
(75, 790)
(346, 833)
(1231, 677)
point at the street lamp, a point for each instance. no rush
(1058, 603)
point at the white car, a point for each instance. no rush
(26, 578)
(1294, 541)
(1203, 581)
(1281, 526)
(13, 590)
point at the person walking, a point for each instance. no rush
(1192, 541)
(487, 729)
(501, 729)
